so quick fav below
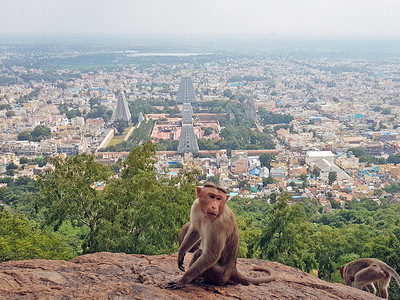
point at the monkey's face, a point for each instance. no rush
(212, 201)
(341, 271)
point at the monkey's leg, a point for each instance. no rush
(371, 288)
(358, 285)
(349, 280)
(196, 255)
(383, 287)
(216, 275)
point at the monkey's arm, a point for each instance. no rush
(207, 259)
(191, 238)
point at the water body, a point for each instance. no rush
(180, 54)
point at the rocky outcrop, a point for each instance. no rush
(118, 276)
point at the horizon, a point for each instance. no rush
(288, 19)
(271, 37)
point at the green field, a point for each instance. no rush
(119, 138)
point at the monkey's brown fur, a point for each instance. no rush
(365, 271)
(182, 234)
(214, 224)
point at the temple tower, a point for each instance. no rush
(186, 92)
(122, 112)
(187, 113)
(188, 139)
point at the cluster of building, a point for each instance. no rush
(337, 105)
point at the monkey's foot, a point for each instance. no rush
(175, 285)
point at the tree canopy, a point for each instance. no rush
(21, 238)
(40, 132)
(128, 215)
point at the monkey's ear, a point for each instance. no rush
(227, 197)
(198, 191)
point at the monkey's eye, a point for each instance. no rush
(212, 196)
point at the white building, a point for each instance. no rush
(313, 156)
(327, 167)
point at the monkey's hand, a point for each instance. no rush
(175, 285)
(180, 262)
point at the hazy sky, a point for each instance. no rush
(303, 18)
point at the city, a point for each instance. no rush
(328, 125)
(218, 149)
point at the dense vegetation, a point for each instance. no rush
(125, 216)
(299, 236)
(370, 159)
(146, 107)
(21, 238)
(139, 136)
(235, 137)
(268, 117)
(141, 212)
(220, 106)
(37, 134)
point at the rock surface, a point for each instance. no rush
(118, 276)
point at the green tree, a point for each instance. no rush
(68, 192)
(10, 172)
(228, 93)
(393, 159)
(243, 184)
(332, 176)
(392, 188)
(5, 106)
(286, 237)
(120, 126)
(139, 224)
(249, 238)
(40, 132)
(272, 198)
(143, 199)
(316, 171)
(357, 151)
(140, 160)
(94, 102)
(268, 180)
(23, 160)
(331, 244)
(24, 136)
(21, 238)
(11, 166)
(72, 113)
(129, 214)
(207, 131)
(266, 158)
(214, 179)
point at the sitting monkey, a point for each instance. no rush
(213, 223)
(365, 271)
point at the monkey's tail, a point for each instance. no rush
(392, 272)
(240, 278)
(396, 276)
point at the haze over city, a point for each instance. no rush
(363, 19)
